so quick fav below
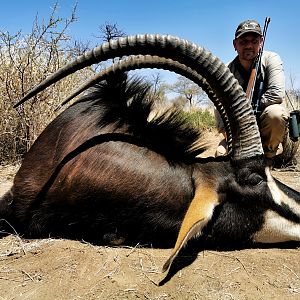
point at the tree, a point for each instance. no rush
(158, 88)
(293, 95)
(179, 102)
(110, 31)
(191, 92)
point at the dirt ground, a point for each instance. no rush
(65, 269)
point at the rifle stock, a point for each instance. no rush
(254, 71)
(251, 84)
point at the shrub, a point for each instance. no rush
(202, 119)
(26, 60)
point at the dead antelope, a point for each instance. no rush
(102, 169)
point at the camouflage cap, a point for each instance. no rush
(247, 27)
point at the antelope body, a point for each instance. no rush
(103, 171)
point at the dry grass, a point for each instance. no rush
(26, 60)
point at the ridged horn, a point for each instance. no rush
(246, 138)
(134, 62)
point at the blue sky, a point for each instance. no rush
(209, 23)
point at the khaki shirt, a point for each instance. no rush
(272, 75)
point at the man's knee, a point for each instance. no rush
(274, 119)
(275, 112)
(273, 124)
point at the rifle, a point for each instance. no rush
(254, 72)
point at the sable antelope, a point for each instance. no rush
(102, 167)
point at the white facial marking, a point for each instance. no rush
(277, 229)
(280, 197)
(276, 193)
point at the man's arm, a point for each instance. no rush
(275, 80)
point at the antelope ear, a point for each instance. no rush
(197, 216)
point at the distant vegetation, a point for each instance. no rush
(202, 118)
(27, 59)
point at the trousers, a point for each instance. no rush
(272, 124)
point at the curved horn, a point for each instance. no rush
(246, 138)
(147, 61)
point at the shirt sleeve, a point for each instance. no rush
(275, 81)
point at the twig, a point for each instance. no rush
(133, 249)
(4, 278)
(235, 269)
(242, 266)
(28, 275)
(290, 270)
(150, 279)
(16, 235)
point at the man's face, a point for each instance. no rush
(247, 46)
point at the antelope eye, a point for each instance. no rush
(255, 179)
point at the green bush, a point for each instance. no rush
(202, 119)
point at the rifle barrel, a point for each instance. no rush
(254, 72)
